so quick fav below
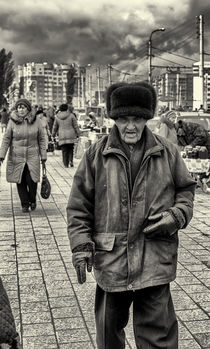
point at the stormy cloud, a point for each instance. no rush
(100, 32)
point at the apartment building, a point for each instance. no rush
(175, 88)
(197, 86)
(43, 83)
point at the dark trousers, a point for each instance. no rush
(67, 153)
(27, 188)
(154, 320)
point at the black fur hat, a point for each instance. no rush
(133, 99)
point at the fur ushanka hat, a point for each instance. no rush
(134, 99)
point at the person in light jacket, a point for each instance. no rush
(167, 127)
(131, 193)
(66, 126)
(25, 140)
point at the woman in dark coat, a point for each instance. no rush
(25, 139)
(66, 126)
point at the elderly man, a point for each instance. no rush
(131, 194)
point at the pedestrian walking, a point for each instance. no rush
(131, 193)
(4, 119)
(66, 126)
(25, 139)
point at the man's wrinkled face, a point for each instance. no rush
(130, 128)
(22, 110)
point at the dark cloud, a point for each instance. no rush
(109, 32)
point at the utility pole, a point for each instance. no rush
(201, 66)
(109, 74)
(83, 91)
(78, 88)
(98, 79)
(150, 53)
(90, 88)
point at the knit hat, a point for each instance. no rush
(63, 107)
(24, 102)
(134, 99)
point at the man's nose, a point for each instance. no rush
(131, 125)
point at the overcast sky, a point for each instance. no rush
(100, 32)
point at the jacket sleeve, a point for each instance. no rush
(42, 141)
(163, 130)
(55, 128)
(184, 186)
(80, 208)
(6, 141)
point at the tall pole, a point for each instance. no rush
(150, 58)
(83, 91)
(110, 74)
(90, 88)
(98, 79)
(78, 89)
(150, 53)
(201, 66)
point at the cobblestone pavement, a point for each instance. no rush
(51, 310)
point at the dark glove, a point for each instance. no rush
(1, 160)
(162, 224)
(43, 161)
(80, 261)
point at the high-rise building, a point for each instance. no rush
(175, 88)
(43, 83)
(197, 88)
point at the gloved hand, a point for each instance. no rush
(80, 261)
(1, 160)
(162, 224)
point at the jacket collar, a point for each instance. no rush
(62, 115)
(19, 120)
(113, 144)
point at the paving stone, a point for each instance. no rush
(192, 314)
(74, 335)
(43, 329)
(81, 345)
(40, 342)
(69, 323)
(68, 312)
(202, 326)
(203, 339)
(36, 317)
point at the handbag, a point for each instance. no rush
(51, 147)
(57, 146)
(79, 150)
(8, 333)
(45, 184)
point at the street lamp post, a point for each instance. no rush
(150, 52)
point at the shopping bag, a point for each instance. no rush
(79, 150)
(51, 147)
(8, 333)
(57, 146)
(45, 184)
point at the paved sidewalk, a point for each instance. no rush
(51, 310)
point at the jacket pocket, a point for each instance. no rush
(104, 242)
